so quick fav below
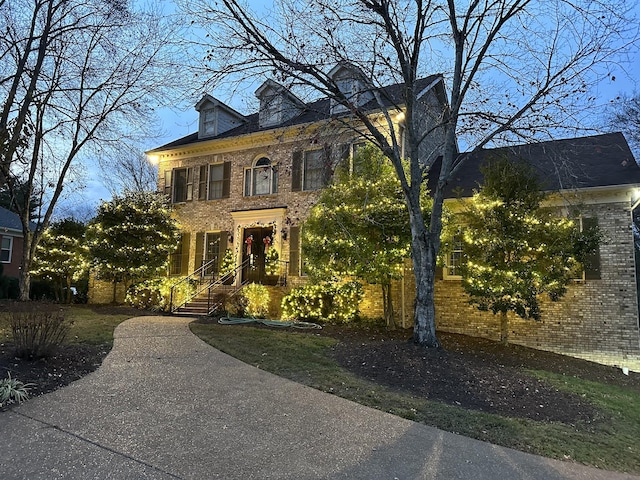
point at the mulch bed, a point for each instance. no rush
(474, 373)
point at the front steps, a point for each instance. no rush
(199, 305)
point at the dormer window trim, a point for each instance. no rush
(215, 117)
(209, 118)
(277, 104)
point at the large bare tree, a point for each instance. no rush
(514, 70)
(77, 78)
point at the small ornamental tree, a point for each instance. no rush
(360, 226)
(514, 249)
(62, 256)
(132, 237)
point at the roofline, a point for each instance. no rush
(205, 144)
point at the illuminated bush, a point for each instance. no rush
(156, 294)
(324, 302)
(256, 300)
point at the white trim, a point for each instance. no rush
(10, 247)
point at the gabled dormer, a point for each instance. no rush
(216, 117)
(277, 104)
(354, 85)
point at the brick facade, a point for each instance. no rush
(596, 320)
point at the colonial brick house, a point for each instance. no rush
(246, 183)
(242, 186)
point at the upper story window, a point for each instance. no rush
(5, 251)
(178, 184)
(215, 181)
(209, 121)
(313, 172)
(270, 110)
(261, 179)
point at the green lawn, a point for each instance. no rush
(611, 443)
(91, 324)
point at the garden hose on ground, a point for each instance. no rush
(270, 323)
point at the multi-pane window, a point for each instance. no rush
(180, 184)
(5, 252)
(455, 256)
(313, 170)
(261, 179)
(209, 121)
(216, 181)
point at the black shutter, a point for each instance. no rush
(199, 250)
(592, 262)
(296, 171)
(184, 253)
(202, 183)
(439, 273)
(226, 180)
(294, 251)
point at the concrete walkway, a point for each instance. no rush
(165, 405)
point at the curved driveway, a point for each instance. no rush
(165, 405)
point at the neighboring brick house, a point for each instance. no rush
(12, 242)
(246, 184)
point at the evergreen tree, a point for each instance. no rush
(132, 237)
(360, 226)
(514, 249)
(62, 256)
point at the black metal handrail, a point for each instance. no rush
(211, 305)
(196, 277)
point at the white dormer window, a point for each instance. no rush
(351, 81)
(277, 104)
(270, 109)
(209, 121)
(216, 117)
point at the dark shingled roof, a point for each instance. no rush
(597, 161)
(314, 112)
(9, 219)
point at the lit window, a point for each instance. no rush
(455, 256)
(261, 179)
(5, 252)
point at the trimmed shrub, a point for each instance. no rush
(38, 329)
(326, 301)
(156, 294)
(256, 300)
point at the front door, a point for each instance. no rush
(253, 251)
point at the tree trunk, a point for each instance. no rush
(115, 287)
(388, 305)
(504, 328)
(24, 282)
(424, 266)
(68, 296)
